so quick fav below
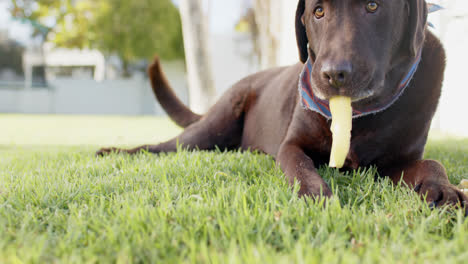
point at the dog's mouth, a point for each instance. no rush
(371, 90)
(358, 91)
(363, 96)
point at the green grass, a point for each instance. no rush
(61, 204)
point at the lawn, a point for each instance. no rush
(61, 204)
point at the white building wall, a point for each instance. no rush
(231, 60)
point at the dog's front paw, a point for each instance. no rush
(315, 191)
(107, 151)
(440, 194)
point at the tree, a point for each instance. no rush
(34, 11)
(263, 21)
(194, 21)
(267, 18)
(132, 30)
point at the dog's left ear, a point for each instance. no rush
(416, 25)
(301, 35)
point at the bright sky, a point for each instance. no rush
(17, 31)
(224, 14)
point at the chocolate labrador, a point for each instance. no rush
(379, 53)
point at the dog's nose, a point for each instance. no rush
(337, 75)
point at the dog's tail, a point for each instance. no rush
(169, 101)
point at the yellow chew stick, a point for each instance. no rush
(342, 121)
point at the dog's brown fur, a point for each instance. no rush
(263, 111)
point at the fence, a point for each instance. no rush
(111, 97)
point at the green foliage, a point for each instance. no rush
(139, 29)
(133, 30)
(43, 15)
(64, 205)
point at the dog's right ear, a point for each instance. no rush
(417, 25)
(301, 35)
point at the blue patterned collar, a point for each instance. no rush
(310, 101)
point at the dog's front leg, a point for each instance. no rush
(297, 166)
(429, 179)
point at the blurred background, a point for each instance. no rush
(89, 57)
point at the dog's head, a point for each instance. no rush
(358, 45)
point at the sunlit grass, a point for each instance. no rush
(69, 130)
(59, 203)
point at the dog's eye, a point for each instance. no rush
(372, 7)
(319, 12)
